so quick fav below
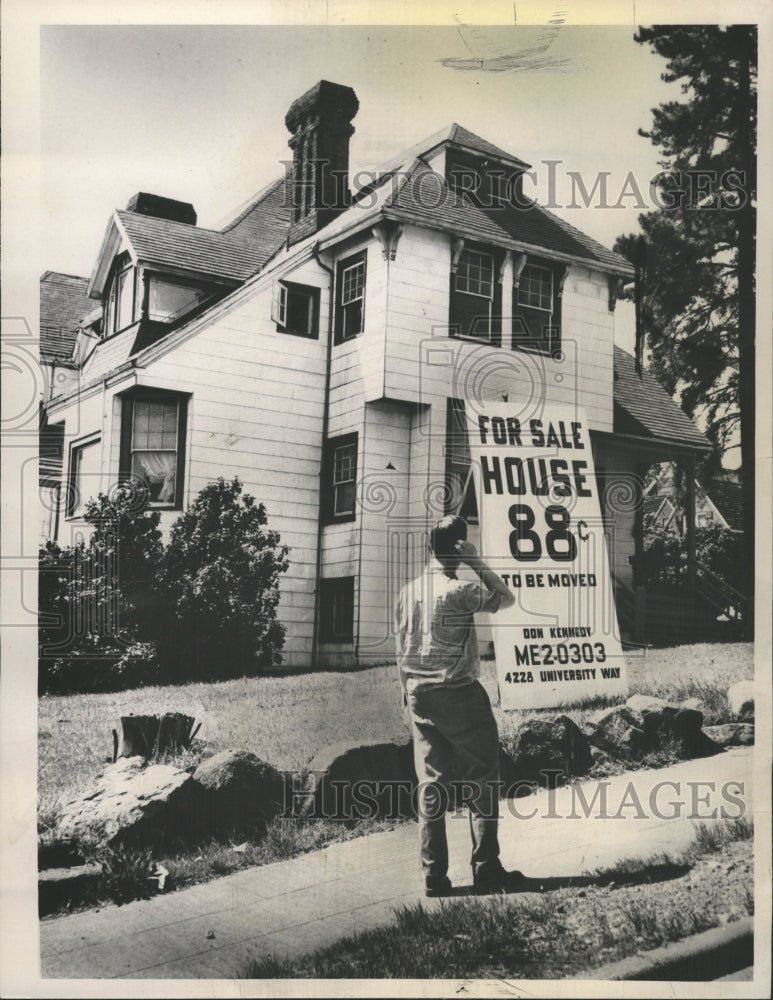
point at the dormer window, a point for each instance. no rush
(120, 310)
(169, 300)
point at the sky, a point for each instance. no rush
(197, 113)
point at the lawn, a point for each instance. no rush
(286, 720)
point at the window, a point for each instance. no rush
(120, 302)
(475, 274)
(460, 496)
(170, 300)
(350, 297)
(475, 297)
(536, 288)
(336, 607)
(537, 309)
(296, 309)
(341, 478)
(84, 475)
(153, 428)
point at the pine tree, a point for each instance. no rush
(698, 251)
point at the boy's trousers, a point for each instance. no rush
(455, 737)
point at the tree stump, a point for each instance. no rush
(150, 736)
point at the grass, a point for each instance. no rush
(283, 839)
(285, 720)
(549, 936)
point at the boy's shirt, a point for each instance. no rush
(435, 630)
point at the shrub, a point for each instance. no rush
(665, 553)
(122, 611)
(98, 598)
(220, 576)
(721, 551)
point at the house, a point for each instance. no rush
(63, 304)
(320, 346)
(718, 501)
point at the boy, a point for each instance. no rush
(452, 723)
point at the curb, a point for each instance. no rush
(701, 958)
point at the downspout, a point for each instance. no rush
(321, 496)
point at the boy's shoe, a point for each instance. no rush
(494, 878)
(437, 885)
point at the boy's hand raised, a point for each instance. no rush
(466, 551)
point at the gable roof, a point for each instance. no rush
(63, 304)
(184, 247)
(643, 407)
(461, 136)
(727, 497)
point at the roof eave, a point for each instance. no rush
(405, 215)
(675, 445)
(114, 234)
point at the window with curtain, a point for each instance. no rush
(152, 444)
(154, 447)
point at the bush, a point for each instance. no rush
(122, 611)
(96, 599)
(665, 554)
(220, 576)
(721, 551)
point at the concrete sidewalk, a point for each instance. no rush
(293, 907)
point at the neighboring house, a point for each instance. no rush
(63, 304)
(320, 345)
(719, 501)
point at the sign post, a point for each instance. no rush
(542, 531)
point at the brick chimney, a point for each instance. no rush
(320, 123)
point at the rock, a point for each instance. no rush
(618, 731)
(239, 790)
(134, 803)
(547, 744)
(740, 698)
(664, 720)
(599, 756)
(357, 780)
(732, 734)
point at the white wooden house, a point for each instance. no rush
(319, 346)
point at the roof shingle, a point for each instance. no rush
(63, 304)
(426, 198)
(190, 248)
(648, 409)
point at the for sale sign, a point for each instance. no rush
(542, 531)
